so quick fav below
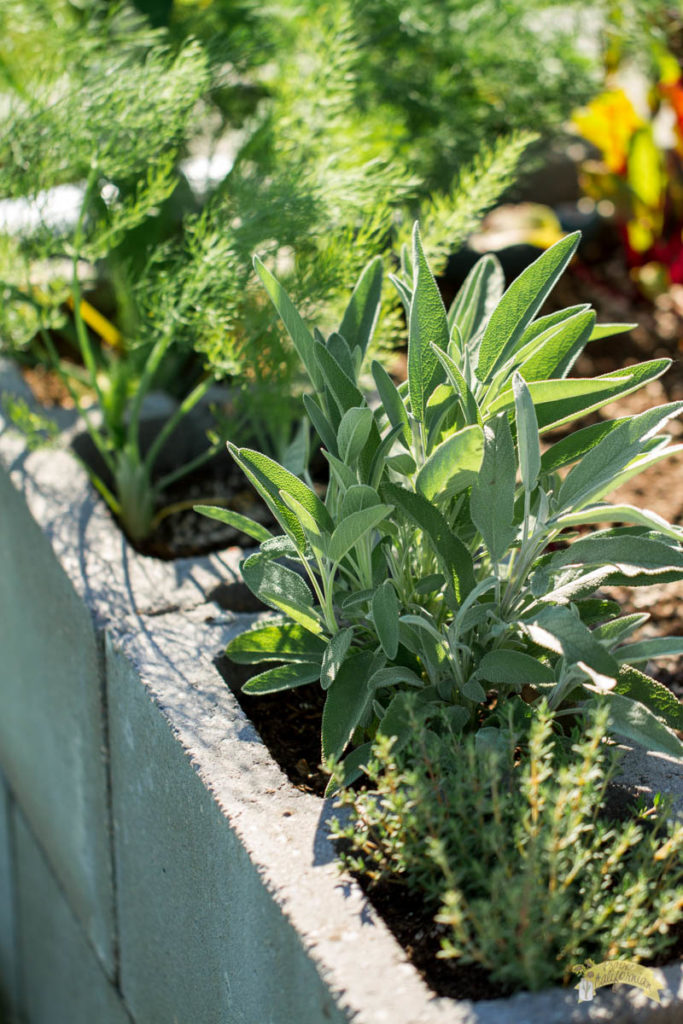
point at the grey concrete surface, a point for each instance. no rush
(222, 868)
(191, 902)
(52, 733)
(8, 965)
(62, 980)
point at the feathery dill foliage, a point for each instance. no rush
(453, 74)
(521, 863)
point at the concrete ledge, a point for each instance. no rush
(229, 906)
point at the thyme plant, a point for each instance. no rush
(444, 557)
(519, 856)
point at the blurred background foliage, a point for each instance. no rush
(311, 133)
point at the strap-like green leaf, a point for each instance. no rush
(460, 386)
(282, 677)
(392, 401)
(561, 630)
(280, 588)
(570, 448)
(455, 558)
(353, 528)
(274, 478)
(602, 463)
(321, 424)
(385, 612)
(520, 303)
(353, 433)
(361, 314)
(296, 328)
(617, 384)
(453, 465)
(231, 518)
(620, 514)
(347, 700)
(627, 553)
(528, 443)
(646, 650)
(658, 698)
(281, 641)
(342, 388)
(427, 323)
(334, 656)
(493, 492)
(633, 720)
(514, 668)
(556, 354)
(477, 298)
(609, 330)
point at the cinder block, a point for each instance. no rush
(8, 967)
(202, 940)
(62, 980)
(52, 732)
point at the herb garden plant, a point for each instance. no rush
(449, 556)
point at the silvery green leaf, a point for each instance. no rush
(344, 476)
(562, 631)
(528, 443)
(620, 514)
(655, 696)
(279, 547)
(633, 720)
(353, 433)
(640, 464)
(296, 328)
(645, 650)
(360, 317)
(357, 600)
(357, 498)
(339, 348)
(334, 656)
(282, 677)
(573, 585)
(514, 668)
(234, 519)
(317, 540)
(394, 675)
(402, 463)
(557, 412)
(601, 464)
(353, 528)
(556, 355)
(473, 690)
(631, 555)
(453, 465)
(553, 392)
(342, 388)
(281, 588)
(493, 492)
(321, 424)
(392, 401)
(428, 584)
(347, 700)
(405, 293)
(423, 624)
(570, 448)
(612, 633)
(276, 641)
(467, 400)
(427, 323)
(454, 556)
(269, 478)
(385, 612)
(609, 330)
(477, 298)
(520, 303)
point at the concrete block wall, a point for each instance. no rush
(155, 865)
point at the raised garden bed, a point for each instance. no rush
(161, 867)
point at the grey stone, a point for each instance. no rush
(8, 966)
(52, 728)
(62, 981)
